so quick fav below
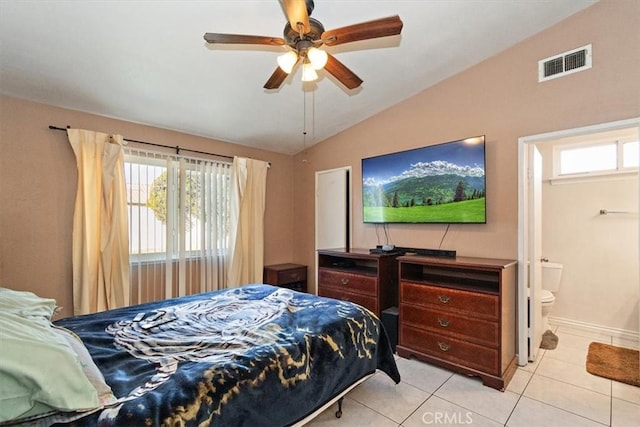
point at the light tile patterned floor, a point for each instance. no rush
(556, 390)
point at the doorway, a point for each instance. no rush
(333, 211)
(529, 231)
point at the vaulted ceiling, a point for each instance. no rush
(147, 61)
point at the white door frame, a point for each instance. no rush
(525, 212)
(527, 216)
(339, 217)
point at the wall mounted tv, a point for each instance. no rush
(442, 183)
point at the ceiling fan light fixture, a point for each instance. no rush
(287, 61)
(308, 72)
(317, 57)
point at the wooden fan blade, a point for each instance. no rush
(276, 79)
(296, 11)
(383, 27)
(344, 75)
(242, 39)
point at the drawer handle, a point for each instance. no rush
(444, 298)
(443, 322)
(344, 281)
(444, 346)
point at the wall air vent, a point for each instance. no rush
(565, 63)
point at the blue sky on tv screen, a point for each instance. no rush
(458, 157)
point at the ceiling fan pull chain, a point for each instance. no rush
(313, 116)
(304, 119)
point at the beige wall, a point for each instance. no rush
(502, 99)
(499, 98)
(599, 253)
(37, 191)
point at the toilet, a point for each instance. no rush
(551, 275)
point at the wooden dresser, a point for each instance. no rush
(370, 280)
(460, 313)
(292, 276)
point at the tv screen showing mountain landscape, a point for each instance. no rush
(442, 183)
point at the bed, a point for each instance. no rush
(254, 355)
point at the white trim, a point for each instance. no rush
(590, 177)
(584, 130)
(345, 173)
(618, 143)
(598, 329)
(523, 166)
(522, 303)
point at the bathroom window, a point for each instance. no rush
(630, 155)
(597, 158)
(594, 158)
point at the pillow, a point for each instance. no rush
(26, 304)
(89, 368)
(44, 416)
(39, 372)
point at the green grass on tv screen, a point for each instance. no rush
(472, 211)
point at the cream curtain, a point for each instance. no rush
(100, 239)
(246, 237)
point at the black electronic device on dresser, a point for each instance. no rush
(356, 275)
(400, 250)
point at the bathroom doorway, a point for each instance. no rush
(530, 230)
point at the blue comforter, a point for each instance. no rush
(255, 355)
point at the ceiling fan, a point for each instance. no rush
(304, 35)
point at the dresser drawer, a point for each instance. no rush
(292, 276)
(474, 356)
(365, 301)
(482, 305)
(348, 281)
(480, 331)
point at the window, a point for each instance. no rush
(178, 212)
(604, 155)
(594, 158)
(147, 229)
(630, 155)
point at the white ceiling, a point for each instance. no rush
(146, 61)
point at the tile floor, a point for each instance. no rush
(556, 390)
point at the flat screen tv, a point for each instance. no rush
(442, 183)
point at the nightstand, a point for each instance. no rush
(292, 276)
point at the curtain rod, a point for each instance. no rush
(177, 147)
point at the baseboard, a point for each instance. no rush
(591, 327)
